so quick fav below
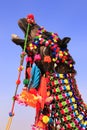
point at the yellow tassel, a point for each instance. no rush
(9, 123)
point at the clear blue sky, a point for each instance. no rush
(65, 17)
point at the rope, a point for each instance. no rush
(26, 37)
(11, 114)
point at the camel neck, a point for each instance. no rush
(68, 106)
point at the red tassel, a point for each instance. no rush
(42, 91)
(28, 72)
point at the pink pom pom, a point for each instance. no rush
(37, 57)
(29, 59)
(30, 19)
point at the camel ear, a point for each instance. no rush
(64, 41)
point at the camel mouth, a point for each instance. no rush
(14, 36)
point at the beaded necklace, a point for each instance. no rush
(68, 108)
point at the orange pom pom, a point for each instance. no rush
(18, 82)
(47, 59)
(28, 98)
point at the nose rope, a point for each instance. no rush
(11, 114)
(25, 44)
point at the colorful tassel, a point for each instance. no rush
(35, 77)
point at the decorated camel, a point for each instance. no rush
(50, 85)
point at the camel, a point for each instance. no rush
(50, 85)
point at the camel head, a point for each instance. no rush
(46, 49)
